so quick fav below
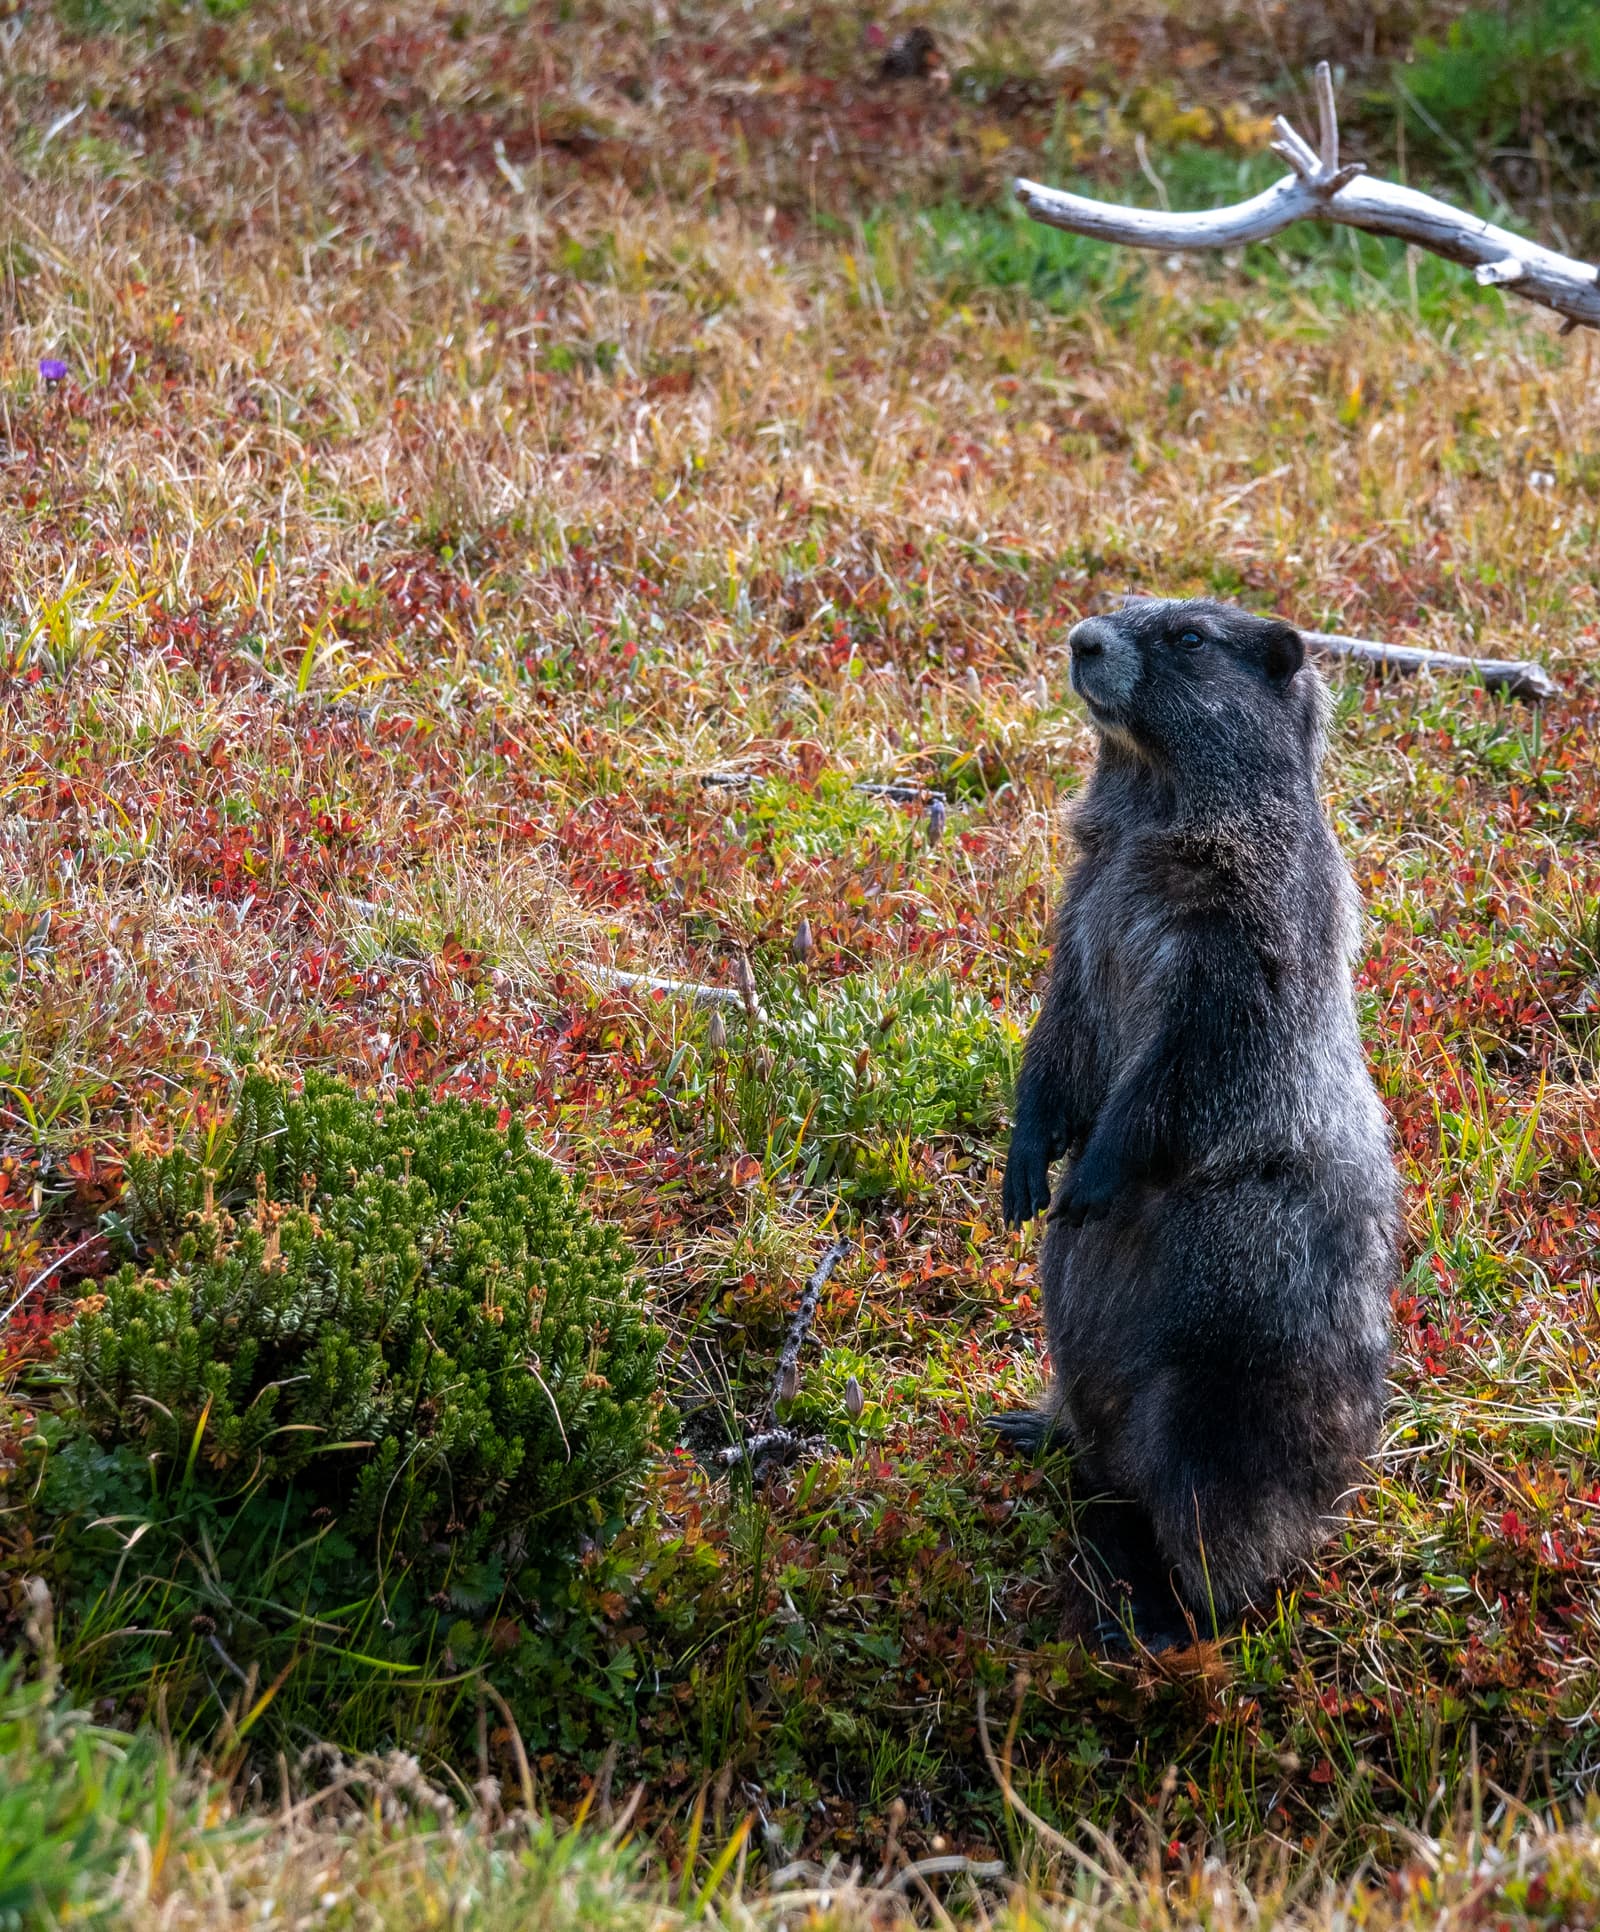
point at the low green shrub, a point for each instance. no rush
(378, 1364)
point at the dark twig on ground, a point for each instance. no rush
(773, 1445)
(786, 1382)
(899, 792)
(769, 1446)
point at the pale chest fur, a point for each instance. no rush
(1124, 945)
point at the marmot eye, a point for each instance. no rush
(1191, 640)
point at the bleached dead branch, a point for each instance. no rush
(605, 978)
(1320, 187)
(1516, 677)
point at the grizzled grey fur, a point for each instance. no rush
(1218, 1260)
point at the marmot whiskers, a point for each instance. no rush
(1218, 1261)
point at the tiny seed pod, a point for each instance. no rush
(745, 980)
(717, 1032)
(854, 1400)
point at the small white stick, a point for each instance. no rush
(1299, 153)
(602, 977)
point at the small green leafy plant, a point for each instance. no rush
(844, 1081)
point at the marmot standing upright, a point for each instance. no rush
(1217, 1266)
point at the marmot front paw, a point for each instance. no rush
(1092, 1186)
(1027, 1184)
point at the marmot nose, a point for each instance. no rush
(1089, 638)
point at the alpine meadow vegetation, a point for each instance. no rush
(536, 548)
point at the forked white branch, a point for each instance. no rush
(1320, 187)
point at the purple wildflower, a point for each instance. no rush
(53, 369)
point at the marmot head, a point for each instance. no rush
(1200, 689)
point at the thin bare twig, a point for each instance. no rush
(773, 1443)
(609, 977)
(938, 1867)
(900, 791)
(785, 1382)
(44, 1275)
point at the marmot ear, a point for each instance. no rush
(1286, 652)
